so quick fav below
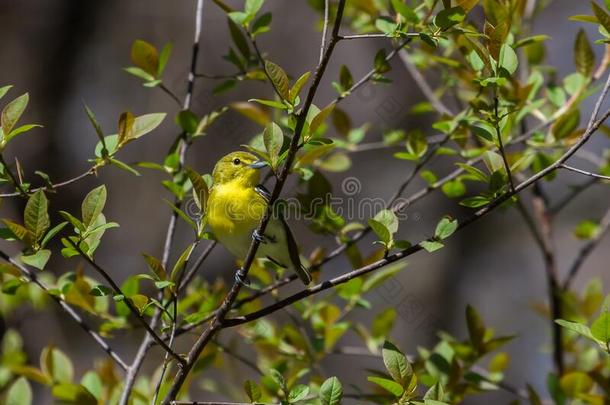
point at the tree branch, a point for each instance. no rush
(586, 250)
(68, 309)
(586, 173)
(56, 185)
(227, 303)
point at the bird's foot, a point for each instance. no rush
(241, 278)
(262, 238)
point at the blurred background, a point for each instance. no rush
(67, 52)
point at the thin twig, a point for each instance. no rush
(229, 299)
(68, 309)
(14, 180)
(134, 310)
(148, 340)
(52, 187)
(369, 36)
(170, 93)
(423, 84)
(585, 251)
(576, 191)
(586, 173)
(372, 72)
(324, 29)
(415, 248)
(247, 362)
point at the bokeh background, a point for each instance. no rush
(64, 52)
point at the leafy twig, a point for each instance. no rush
(68, 309)
(52, 187)
(229, 299)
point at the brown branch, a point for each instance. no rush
(134, 310)
(56, 185)
(229, 299)
(586, 173)
(586, 250)
(68, 309)
(415, 248)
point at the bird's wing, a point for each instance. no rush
(293, 252)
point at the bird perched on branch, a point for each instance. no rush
(236, 205)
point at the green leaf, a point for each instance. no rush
(93, 204)
(38, 259)
(36, 215)
(261, 24)
(449, 17)
(188, 121)
(145, 124)
(251, 111)
(252, 6)
(269, 103)
(445, 228)
(164, 58)
(145, 56)
(331, 391)
(388, 219)
(600, 328)
(21, 232)
(345, 78)
(321, 117)
(431, 245)
(380, 230)
(397, 364)
(278, 78)
(181, 262)
(508, 59)
(602, 16)
(96, 125)
(391, 386)
(386, 25)
(200, 188)
(273, 138)
(252, 390)
(4, 90)
(579, 328)
(405, 11)
(239, 39)
(13, 111)
(476, 327)
(566, 124)
(584, 58)
(20, 130)
(298, 393)
(19, 393)
(73, 393)
(298, 85)
(55, 364)
(576, 383)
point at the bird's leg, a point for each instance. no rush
(262, 238)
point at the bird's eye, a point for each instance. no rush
(236, 162)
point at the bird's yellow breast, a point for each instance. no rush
(234, 209)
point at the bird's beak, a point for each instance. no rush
(258, 164)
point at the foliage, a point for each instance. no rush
(513, 122)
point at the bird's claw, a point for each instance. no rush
(241, 278)
(261, 238)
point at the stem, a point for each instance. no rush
(586, 173)
(227, 303)
(15, 182)
(324, 29)
(68, 309)
(56, 185)
(127, 301)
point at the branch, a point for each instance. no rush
(586, 250)
(373, 71)
(227, 303)
(423, 84)
(586, 173)
(171, 228)
(324, 29)
(56, 185)
(127, 301)
(415, 248)
(68, 309)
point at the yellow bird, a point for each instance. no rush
(236, 205)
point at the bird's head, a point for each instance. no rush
(238, 166)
